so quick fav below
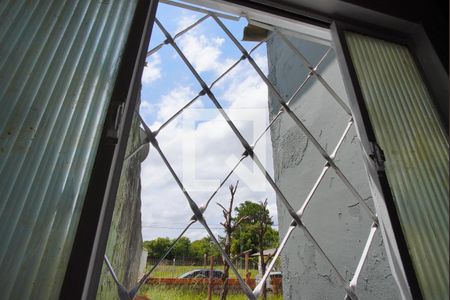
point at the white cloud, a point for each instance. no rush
(185, 21)
(203, 51)
(172, 102)
(152, 70)
(244, 96)
(147, 108)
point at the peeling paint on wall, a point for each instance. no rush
(333, 216)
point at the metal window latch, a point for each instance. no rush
(377, 156)
(119, 115)
(114, 124)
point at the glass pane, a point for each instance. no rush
(408, 130)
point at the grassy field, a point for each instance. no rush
(163, 271)
(161, 292)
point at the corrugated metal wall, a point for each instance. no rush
(407, 128)
(58, 63)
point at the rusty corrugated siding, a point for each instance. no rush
(408, 129)
(58, 63)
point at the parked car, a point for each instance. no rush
(272, 275)
(202, 273)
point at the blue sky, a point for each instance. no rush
(199, 143)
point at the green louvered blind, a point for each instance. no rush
(408, 129)
(59, 60)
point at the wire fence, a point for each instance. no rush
(176, 267)
(248, 153)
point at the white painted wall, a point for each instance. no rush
(334, 217)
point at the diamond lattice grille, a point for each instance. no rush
(248, 153)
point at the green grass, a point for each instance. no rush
(161, 292)
(165, 271)
(164, 292)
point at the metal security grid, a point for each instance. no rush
(329, 163)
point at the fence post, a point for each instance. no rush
(246, 262)
(211, 268)
(247, 273)
(173, 267)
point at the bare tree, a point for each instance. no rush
(230, 224)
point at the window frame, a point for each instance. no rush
(83, 272)
(86, 258)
